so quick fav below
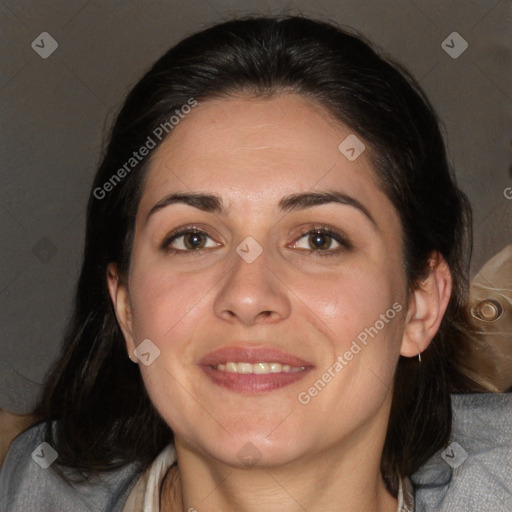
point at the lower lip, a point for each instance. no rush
(251, 383)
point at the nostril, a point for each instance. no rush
(265, 314)
(488, 310)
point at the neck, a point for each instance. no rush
(345, 477)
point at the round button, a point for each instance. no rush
(488, 310)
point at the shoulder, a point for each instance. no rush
(11, 425)
(28, 483)
(475, 471)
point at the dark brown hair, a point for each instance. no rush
(95, 396)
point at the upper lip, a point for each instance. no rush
(252, 355)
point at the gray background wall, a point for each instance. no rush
(54, 113)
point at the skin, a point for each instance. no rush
(323, 456)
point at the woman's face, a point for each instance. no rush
(242, 254)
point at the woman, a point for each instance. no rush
(276, 241)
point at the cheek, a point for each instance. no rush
(344, 304)
(162, 301)
(360, 313)
(167, 309)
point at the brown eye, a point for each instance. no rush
(188, 241)
(488, 310)
(194, 240)
(321, 241)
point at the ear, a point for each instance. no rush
(427, 307)
(121, 302)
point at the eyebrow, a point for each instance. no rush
(213, 204)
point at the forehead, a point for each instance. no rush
(257, 150)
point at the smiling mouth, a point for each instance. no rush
(254, 378)
(253, 369)
(257, 368)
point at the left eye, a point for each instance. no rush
(191, 241)
(318, 240)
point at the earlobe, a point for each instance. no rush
(427, 307)
(122, 307)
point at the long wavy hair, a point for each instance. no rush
(99, 416)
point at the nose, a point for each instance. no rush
(252, 293)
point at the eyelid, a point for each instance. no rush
(337, 235)
(181, 231)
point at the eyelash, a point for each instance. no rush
(345, 244)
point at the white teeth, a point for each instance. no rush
(261, 368)
(244, 368)
(258, 368)
(275, 367)
(231, 367)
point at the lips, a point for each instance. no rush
(251, 355)
(253, 383)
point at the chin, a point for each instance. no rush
(245, 452)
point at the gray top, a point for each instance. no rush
(482, 432)
(474, 473)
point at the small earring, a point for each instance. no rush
(419, 357)
(130, 358)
